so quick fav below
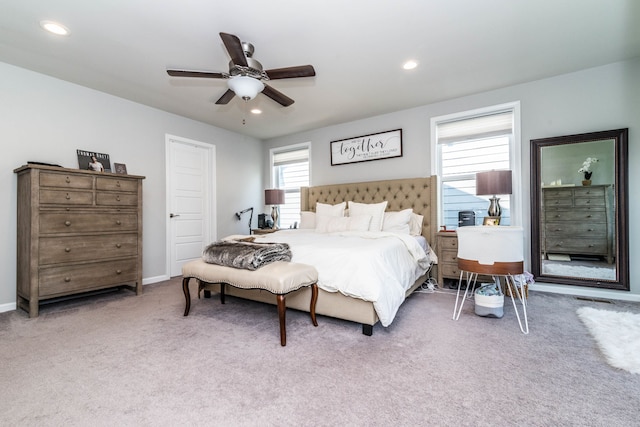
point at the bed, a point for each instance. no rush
(419, 194)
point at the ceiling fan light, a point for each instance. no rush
(245, 87)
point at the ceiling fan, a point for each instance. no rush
(246, 76)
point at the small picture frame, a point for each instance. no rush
(491, 220)
(120, 168)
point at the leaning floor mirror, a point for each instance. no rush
(579, 210)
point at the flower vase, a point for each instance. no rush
(586, 182)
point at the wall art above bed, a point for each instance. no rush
(375, 146)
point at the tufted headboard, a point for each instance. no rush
(420, 194)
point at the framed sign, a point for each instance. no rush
(375, 146)
(90, 160)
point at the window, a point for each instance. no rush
(470, 142)
(290, 171)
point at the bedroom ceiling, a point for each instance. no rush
(357, 48)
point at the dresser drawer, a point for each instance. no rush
(116, 199)
(116, 184)
(55, 179)
(450, 270)
(55, 281)
(55, 250)
(584, 215)
(445, 243)
(63, 197)
(570, 229)
(71, 222)
(576, 245)
(448, 256)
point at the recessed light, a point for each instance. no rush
(256, 111)
(55, 28)
(410, 65)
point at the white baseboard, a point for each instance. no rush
(8, 307)
(584, 292)
(156, 279)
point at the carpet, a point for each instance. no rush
(579, 271)
(617, 335)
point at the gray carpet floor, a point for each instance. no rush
(121, 359)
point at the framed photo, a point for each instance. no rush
(89, 160)
(491, 220)
(365, 148)
(120, 168)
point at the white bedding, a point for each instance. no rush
(373, 266)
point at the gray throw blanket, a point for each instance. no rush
(246, 255)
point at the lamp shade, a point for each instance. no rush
(493, 182)
(245, 87)
(273, 197)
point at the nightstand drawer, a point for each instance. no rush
(450, 270)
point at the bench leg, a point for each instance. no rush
(282, 308)
(187, 296)
(314, 299)
(222, 295)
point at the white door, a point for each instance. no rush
(190, 197)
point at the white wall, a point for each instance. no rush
(46, 119)
(602, 98)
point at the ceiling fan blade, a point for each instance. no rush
(226, 97)
(234, 47)
(205, 74)
(291, 72)
(277, 96)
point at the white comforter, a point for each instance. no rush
(373, 266)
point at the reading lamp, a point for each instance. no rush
(492, 183)
(274, 198)
(239, 216)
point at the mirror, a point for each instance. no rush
(579, 210)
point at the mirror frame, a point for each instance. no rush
(620, 137)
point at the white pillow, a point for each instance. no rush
(334, 224)
(359, 222)
(397, 222)
(376, 210)
(323, 209)
(415, 224)
(307, 219)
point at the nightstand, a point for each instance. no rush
(263, 230)
(447, 251)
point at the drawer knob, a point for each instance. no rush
(67, 250)
(67, 279)
(117, 183)
(118, 271)
(67, 223)
(68, 197)
(118, 198)
(68, 180)
(118, 222)
(118, 245)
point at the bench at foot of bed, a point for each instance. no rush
(279, 278)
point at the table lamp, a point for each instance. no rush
(493, 183)
(274, 197)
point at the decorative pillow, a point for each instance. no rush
(359, 222)
(334, 224)
(397, 222)
(307, 219)
(323, 209)
(376, 210)
(415, 224)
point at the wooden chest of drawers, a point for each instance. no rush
(78, 231)
(447, 251)
(578, 221)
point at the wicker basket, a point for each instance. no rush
(525, 289)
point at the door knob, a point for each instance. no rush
(171, 215)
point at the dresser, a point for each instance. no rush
(78, 231)
(578, 221)
(447, 251)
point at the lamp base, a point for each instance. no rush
(274, 216)
(494, 206)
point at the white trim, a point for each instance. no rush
(10, 306)
(211, 190)
(156, 279)
(584, 292)
(284, 148)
